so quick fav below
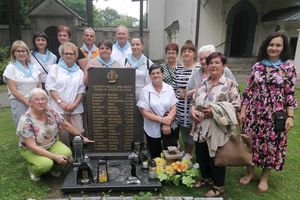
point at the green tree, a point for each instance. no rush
(107, 16)
(125, 20)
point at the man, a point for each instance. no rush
(122, 47)
(88, 48)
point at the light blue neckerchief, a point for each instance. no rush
(105, 64)
(94, 48)
(25, 71)
(70, 70)
(271, 64)
(43, 57)
(125, 47)
(136, 63)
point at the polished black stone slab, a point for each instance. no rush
(118, 171)
(111, 110)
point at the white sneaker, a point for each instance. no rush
(33, 177)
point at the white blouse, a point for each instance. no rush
(67, 85)
(24, 83)
(46, 65)
(142, 77)
(157, 103)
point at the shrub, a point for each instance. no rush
(4, 59)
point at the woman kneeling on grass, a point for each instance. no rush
(39, 142)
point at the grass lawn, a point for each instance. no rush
(15, 182)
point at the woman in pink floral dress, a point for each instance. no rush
(270, 88)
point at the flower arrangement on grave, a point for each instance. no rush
(177, 172)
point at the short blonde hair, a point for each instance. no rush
(19, 44)
(35, 91)
(71, 45)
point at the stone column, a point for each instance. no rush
(297, 55)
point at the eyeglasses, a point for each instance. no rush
(69, 54)
(20, 51)
(43, 100)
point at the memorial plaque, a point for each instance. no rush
(111, 110)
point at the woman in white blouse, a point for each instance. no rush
(21, 77)
(41, 57)
(66, 87)
(158, 107)
(141, 64)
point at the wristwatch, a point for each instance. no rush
(59, 101)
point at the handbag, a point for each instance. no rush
(279, 118)
(236, 152)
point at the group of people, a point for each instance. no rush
(187, 97)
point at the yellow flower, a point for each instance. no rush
(159, 169)
(160, 162)
(170, 170)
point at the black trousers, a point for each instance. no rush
(207, 166)
(156, 145)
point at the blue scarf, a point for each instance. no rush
(70, 70)
(271, 64)
(105, 64)
(25, 71)
(136, 63)
(125, 47)
(43, 57)
(94, 48)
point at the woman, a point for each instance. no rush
(103, 60)
(217, 94)
(65, 85)
(41, 56)
(171, 51)
(140, 63)
(158, 107)
(183, 73)
(270, 88)
(39, 143)
(63, 36)
(20, 76)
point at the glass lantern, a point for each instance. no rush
(144, 156)
(102, 171)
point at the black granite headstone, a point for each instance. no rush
(111, 110)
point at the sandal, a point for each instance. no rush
(203, 183)
(214, 192)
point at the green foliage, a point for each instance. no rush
(4, 59)
(77, 6)
(143, 196)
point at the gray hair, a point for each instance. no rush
(211, 48)
(35, 91)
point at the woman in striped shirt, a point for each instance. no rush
(182, 75)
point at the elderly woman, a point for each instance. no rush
(158, 107)
(20, 76)
(41, 56)
(217, 94)
(270, 88)
(39, 143)
(103, 60)
(171, 51)
(66, 87)
(182, 75)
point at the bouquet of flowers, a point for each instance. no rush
(177, 172)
